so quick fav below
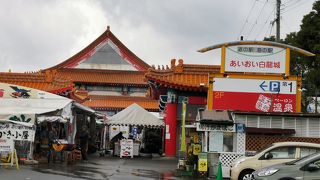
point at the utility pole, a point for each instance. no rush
(316, 100)
(278, 20)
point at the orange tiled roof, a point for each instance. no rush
(79, 95)
(182, 76)
(121, 102)
(126, 53)
(46, 81)
(103, 76)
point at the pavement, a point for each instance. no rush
(97, 168)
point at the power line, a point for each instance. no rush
(257, 17)
(288, 27)
(288, 2)
(269, 27)
(294, 7)
(246, 21)
(267, 20)
(292, 4)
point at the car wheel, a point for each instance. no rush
(246, 175)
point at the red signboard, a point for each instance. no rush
(258, 102)
(257, 95)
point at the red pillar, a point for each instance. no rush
(171, 123)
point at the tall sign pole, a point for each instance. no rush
(278, 20)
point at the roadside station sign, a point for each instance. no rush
(256, 59)
(263, 83)
(254, 95)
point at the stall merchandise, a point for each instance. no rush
(130, 124)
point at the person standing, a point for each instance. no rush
(84, 139)
(52, 138)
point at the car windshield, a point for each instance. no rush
(297, 161)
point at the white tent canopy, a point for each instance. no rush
(135, 115)
(32, 106)
(21, 104)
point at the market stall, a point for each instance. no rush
(131, 123)
(21, 108)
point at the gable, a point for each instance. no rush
(106, 56)
(107, 52)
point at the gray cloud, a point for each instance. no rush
(39, 34)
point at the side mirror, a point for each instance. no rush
(312, 167)
(268, 155)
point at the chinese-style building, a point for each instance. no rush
(203, 85)
(178, 82)
(45, 81)
(108, 77)
(105, 76)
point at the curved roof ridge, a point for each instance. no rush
(135, 60)
(100, 71)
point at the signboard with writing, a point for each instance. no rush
(7, 149)
(21, 92)
(254, 95)
(126, 148)
(255, 58)
(23, 118)
(240, 128)
(16, 132)
(203, 162)
(6, 145)
(135, 132)
(214, 127)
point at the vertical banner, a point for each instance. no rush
(183, 130)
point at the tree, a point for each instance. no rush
(308, 38)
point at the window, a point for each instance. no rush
(317, 162)
(283, 153)
(228, 142)
(305, 151)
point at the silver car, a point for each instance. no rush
(306, 168)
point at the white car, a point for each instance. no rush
(277, 153)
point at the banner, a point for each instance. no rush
(183, 130)
(17, 132)
(19, 118)
(21, 92)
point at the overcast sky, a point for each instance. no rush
(38, 34)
